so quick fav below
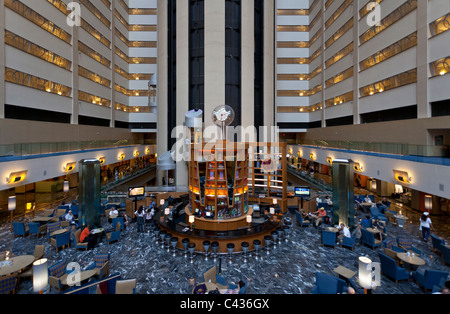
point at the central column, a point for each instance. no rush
(214, 57)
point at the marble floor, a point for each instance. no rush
(289, 269)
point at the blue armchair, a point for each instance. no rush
(242, 289)
(438, 243)
(52, 227)
(56, 273)
(375, 212)
(324, 205)
(19, 229)
(368, 238)
(406, 244)
(349, 242)
(390, 268)
(302, 223)
(117, 220)
(389, 244)
(327, 284)
(100, 264)
(328, 238)
(75, 209)
(61, 240)
(429, 278)
(446, 254)
(113, 236)
(8, 284)
(366, 223)
(35, 228)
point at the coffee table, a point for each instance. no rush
(17, 264)
(58, 232)
(344, 273)
(411, 262)
(83, 276)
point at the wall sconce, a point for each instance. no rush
(102, 160)
(312, 156)
(40, 275)
(15, 177)
(402, 176)
(69, 166)
(428, 202)
(357, 166)
(136, 153)
(330, 160)
(291, 151)
(121, 156)
(300, 153)
(147, 151)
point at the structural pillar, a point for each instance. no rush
(89, 192)
(343, 195)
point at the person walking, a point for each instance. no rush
(425, 226)
(140, 213)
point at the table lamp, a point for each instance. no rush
(428, 202)
(167, 212)
(191, 221)
(249, 221)
(40, 275)
(365, 272)
(11, 208)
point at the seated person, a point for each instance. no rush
(358, 233)
(87, 237)
(377, 224)
(114, 213)
(343, 232)
(69, 216)
(328, 200)
(318, 216)
(383, 205)
(318, 200)
(367, 199)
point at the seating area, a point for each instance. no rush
(131, 255)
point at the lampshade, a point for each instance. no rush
(249, 219)
(66, 186)
(40, 275)
(161, 202)
(167, 211)
(275, 201)
(428, 202)
(191, 219)
(272, 210)
(11, 203)
(365, 272)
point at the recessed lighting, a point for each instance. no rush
(442, 72)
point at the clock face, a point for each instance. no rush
(222, 114)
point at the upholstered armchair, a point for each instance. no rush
(78, 244)
(438, 243)
(60, 240)
(126, 286)
(100, 264)
(349, 242)
(446, 254)
(300, 221)
(368, 238)
(212, 276)
(429, 278)
(52, 227)
(56, 274)
(390, 268)
(35, 228)
(328, 238)
(327, 284)
(113, 236)
(19, 229)
(8, 284)
(407, 245)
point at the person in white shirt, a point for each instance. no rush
(328, 200)
(344, 232)
(69, 216)
(367, 199)
(318, 200)
(425, 226)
